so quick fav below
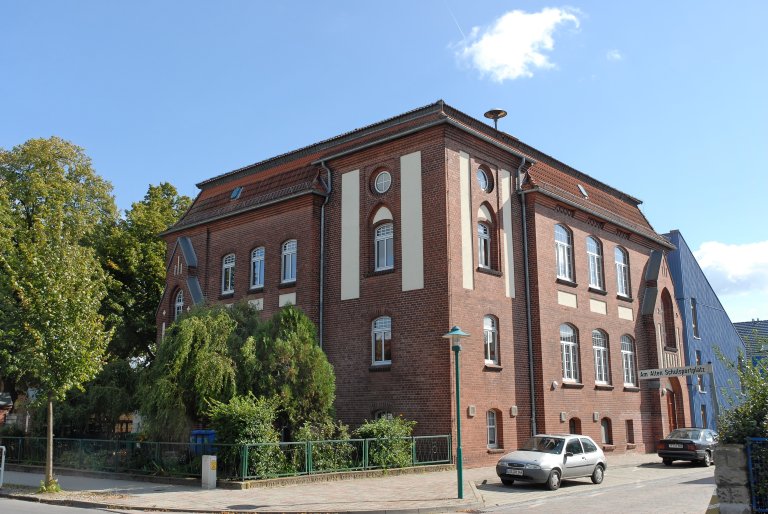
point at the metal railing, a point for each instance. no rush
(264, 460)
(757, 459)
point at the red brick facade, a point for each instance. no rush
(290, 193)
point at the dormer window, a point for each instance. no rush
(236, 193)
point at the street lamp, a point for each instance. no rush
(455, 335)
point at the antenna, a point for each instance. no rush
(495, 115)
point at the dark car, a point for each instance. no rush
(692, 444)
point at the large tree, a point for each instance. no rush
(52, 334)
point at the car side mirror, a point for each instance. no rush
(569, 454)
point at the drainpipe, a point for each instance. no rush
(529, 328)
(328, 188)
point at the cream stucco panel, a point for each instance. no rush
(350, 235)
(383, 214)
(505, 178)
(287, 299)
(626, 313)
(412, 223)
(483, 214)
(598, 306)
(567, 299)
(465, 192)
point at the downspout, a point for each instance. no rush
(529, 328)
(328, 188)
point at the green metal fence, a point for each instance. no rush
(233, 461)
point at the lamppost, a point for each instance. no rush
(455, 335)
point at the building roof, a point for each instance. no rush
(298, 172)
(754, 334)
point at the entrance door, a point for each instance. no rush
(671, 410)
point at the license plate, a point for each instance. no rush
(674, 445)
(518, 472)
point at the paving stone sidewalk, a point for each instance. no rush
(423, 492)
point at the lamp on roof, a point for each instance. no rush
(495, 115)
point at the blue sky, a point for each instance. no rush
(663, 100)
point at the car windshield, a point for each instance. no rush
(683, 433)
(544, 444)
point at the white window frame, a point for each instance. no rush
(490, 340)
(257, 267)
(228, 274)
(178, 306)
(288, 268)
(384, 247)
(600, 349)
(492, 435)
(621, 257)
(382, 182)
(482, 180)
(569, 346)
(695, 318)
(484, 245)
(628, 360)
(381, 330)
(564, 252)
(595, 258)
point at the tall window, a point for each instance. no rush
(574, 426)
(381, 340)
(668, 317)
(606, 432)
(228, 274)
(564, 252)
(694, 318)
(699, 378)
(484, 245)
(257, 267)
(491, 340)
(569, 345)
(595, 256)
(704, 420)
(384, 249)
(630, 431)
(178, 307)
(628, 360)
(600, 348)
(493, 441)
(289, 261)
(622, 272)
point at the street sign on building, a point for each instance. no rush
(647, 374)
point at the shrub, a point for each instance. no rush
(392, 449)
(331, 448)
(748, 415)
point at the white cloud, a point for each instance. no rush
(614, 55)
(735, 269)
(516, 43)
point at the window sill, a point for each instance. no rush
(489, 271)
(226, 296)
(286, 285)
(257, 289)
(670, 349)
(566, 282)
(608, 447)
(380, 367)
(495, 451)
(572, 385)
(595, 290)
(623, 298)
(631, 389)
(376, 273)
(489, 366)
(604, 387)
(631, 446)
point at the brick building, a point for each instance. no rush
(390, 234)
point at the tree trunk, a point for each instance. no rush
(49, 449)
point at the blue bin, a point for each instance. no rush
(202, 442)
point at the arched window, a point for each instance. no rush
(628, 360)
(569, 345)
(574, 426)
(381, 341)
(483, 245)
(228, 274)
(491, 340)
(178, 306)
(384, 248)
(289, 261)
(622, 272)
(493, 436)
(606, 432)
(257, 267)
(600, 347)
(595, 257)
(668, 318)
(564, 252)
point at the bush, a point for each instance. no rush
(748, 416)
(331, 449)
(393, 446)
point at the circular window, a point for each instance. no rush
(483, 180)
(383, 181)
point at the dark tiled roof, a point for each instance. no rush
(754, 334)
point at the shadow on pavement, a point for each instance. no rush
(526, 487)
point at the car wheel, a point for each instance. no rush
(553, 482)
(597, 474)
(707, 460)
(507, 481)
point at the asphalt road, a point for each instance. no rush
(651, 488)
(9, 506)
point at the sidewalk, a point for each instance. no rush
(425, 492)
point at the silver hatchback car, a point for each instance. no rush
(548, 459)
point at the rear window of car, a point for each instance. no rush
(589, 447)
(684, 434)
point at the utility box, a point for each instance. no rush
(209, 472)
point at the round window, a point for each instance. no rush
(383, 181)
(482, 180)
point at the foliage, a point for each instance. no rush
(331, 450)
(748, 414)
(246, 420)
(393, 446)
(51, 486)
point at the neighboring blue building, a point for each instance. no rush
(706, 326)
(755, 336)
